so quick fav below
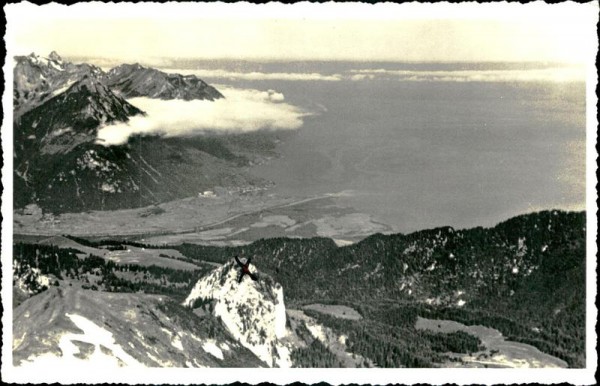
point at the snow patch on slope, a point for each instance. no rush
(210, 347)
(105, 353)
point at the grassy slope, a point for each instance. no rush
(140, 324)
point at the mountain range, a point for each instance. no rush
(319, 305)
(59, 108)
(134, 80)
(113, 303)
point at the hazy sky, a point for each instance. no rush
(408, 32)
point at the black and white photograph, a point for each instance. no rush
(336, 192)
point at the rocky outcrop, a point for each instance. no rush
(252, 311)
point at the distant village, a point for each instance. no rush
(219, 191)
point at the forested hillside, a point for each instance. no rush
(524, 277)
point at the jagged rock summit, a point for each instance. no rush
(36, 79)
(135, 80)
(252, 311)
(71, 117)
(55, 56)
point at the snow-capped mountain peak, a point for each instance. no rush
(37, 79)
(53, 61)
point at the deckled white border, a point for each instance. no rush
(388, 11)
(306, 10)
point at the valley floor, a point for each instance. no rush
(227, 219)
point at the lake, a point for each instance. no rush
(424, 145)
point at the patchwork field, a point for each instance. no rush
(229, 219)
(167, 258)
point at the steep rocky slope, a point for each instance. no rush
(134, 80)
(70, 118)
(86, 328)
(37, 79)
(253, 312)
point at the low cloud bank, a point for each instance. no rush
(544, 74)
(254, 75)
(241, 110)
(553, 74)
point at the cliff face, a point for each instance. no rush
(252, 311)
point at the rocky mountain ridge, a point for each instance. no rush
(135, 80)
(70, 118)
(59, 164)
(37, 79)
(486, 261)
(110, 330)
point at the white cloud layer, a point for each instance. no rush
(233, 75)
(555, 74)
(242, 110)
(550, 74)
